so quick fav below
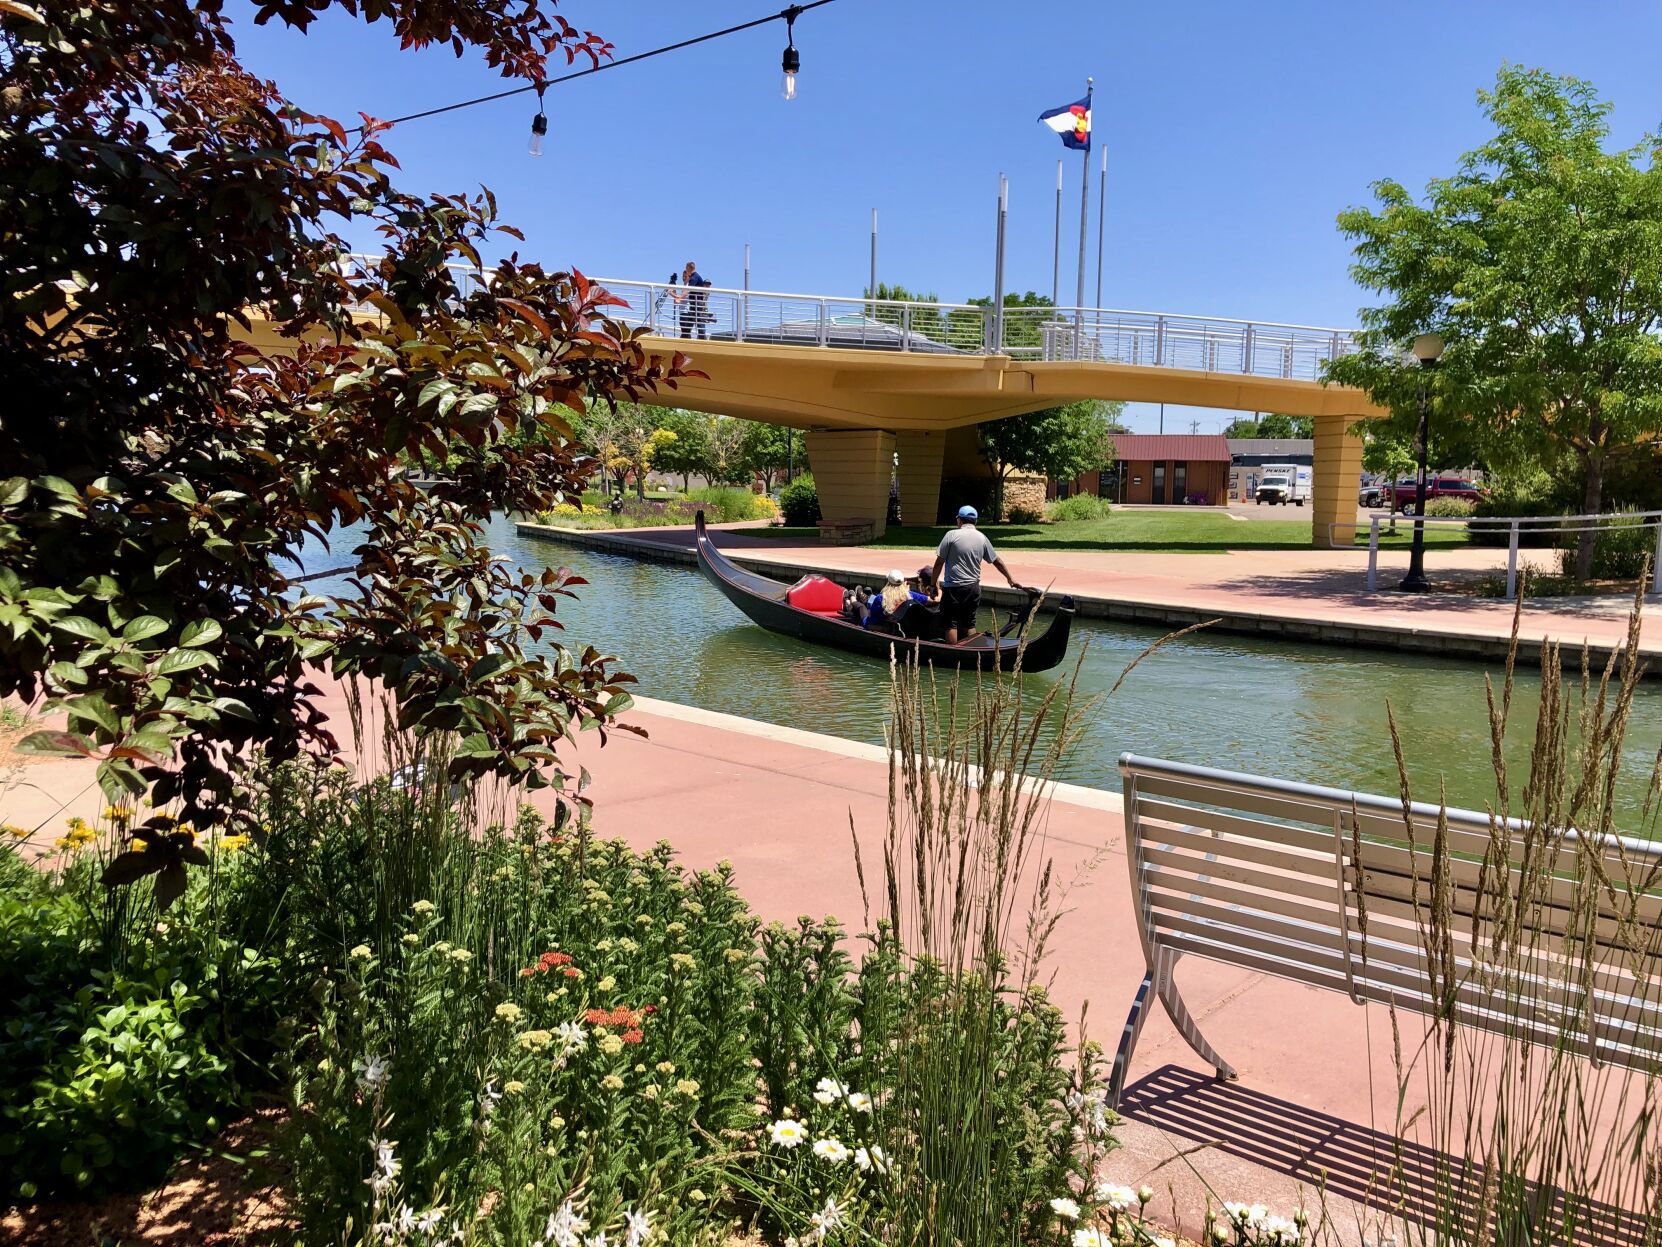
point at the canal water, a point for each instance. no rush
(1310, 713)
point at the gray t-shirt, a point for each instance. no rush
(964, 550)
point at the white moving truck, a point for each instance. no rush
(1284, 483)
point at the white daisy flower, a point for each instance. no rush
(788, 1133)
(831, 1150)
(1065, 1208)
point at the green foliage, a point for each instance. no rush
(799, 500)
(1622, 550)
(1540, 263)
(1058, 442)
(730, 505)
(724, 459)
(1452, 508)
(1023, 315)
(164, 467)
(686, 454)
(768, 448)
(627, 440)
(1024, 515)
(121, 1052)
(1079, 507)
(1272, 425)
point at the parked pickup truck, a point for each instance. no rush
(1436, 487)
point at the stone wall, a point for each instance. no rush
(1024, 493)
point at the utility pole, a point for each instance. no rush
(874, 255)
(997, 343)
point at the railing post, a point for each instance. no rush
(822, 322)
(1512, 562)
(1159, 341)
(1373, 552)
(1656, 562)
(906, 328)
(1246, 350)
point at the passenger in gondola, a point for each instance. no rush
(885, 608)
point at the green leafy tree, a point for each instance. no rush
(1023, 316)
(767, 448)
(929, 321)
(724, 457)
(686, 454)
(1058, 442)
(626, 439)
(1272, 426)
(165, 466)
(1540, 263)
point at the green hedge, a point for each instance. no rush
(800, 501)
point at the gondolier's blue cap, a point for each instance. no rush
(968, 513)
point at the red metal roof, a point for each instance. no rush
(1193, 447)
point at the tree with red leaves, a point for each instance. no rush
(162, 466)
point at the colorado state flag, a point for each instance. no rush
(1072, 122)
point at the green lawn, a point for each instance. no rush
(1146, 531)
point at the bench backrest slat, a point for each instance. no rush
(1333, 889)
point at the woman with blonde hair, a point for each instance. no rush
(884, 606)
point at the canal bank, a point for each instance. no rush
(1305, 596)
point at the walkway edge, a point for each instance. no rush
(1384, 636)
(1073, 794)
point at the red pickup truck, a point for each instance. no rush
(1436, 487)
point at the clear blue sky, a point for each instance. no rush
(1235, 133)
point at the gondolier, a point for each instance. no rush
(958, 571)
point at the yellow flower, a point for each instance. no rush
(513, 1087)
(611, 1044)
(612, 1082)
(666, 1067)
(461, 954)
(686, 1086)
(533, 1041)
(650, 1092)
(361, 952)
(118, 813)
(606, 984)
(509, 1012)
(682, 961)
(17, 833)
(232, 844)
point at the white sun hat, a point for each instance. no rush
(897, 578)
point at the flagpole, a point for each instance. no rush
(1101, 214)
(1084, 216)
(1056, 254)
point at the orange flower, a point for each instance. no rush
(632, 1036)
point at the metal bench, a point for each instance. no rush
(1327, 888)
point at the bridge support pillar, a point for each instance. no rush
(852, 471)
(920, 475)
(1336, 481)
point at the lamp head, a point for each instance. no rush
(1428, 348)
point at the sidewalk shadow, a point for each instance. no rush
(1351, 1161)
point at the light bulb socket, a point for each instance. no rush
(791, 62)
(539, 124)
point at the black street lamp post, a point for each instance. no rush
(1427, 350)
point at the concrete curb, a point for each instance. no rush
(1400, 638)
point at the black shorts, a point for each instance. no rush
(958, 606)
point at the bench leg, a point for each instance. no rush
(1128, 1040)
(1166, 989)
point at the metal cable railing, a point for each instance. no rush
(1037, 334)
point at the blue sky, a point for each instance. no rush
(1234, 132)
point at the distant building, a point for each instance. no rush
(1248, 455)
(1160, 469)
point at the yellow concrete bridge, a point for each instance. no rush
(872, 380)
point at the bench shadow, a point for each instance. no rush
(1354, 1162)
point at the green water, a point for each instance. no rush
(1314, 714)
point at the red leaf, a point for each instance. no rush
(528, 314)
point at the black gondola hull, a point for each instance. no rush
(763, 600)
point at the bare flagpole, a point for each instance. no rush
(1084, 216)
(1056, 254)
(1101, 213)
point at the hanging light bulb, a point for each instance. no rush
(539, 127)
(792, 60)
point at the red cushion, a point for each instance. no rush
(816, 593)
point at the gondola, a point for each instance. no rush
(767, 602)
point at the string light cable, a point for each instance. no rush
(791, 63)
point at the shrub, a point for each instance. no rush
(799, 501)
(1517, 494)
(1078, 508)
(1449, 508)
(1620, 550)
(120, 1051)
(1024, 515)
(731, 505)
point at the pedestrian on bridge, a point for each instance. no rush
(957, 570)
(695, 304)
